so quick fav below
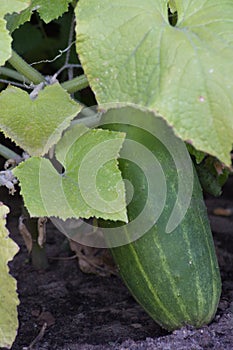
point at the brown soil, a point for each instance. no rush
(88, 312)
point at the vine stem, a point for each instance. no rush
(5, 81)
(32, 75)
(75, 84)
(91, 119)
(8, 153)
(11, 73)
(25, 69)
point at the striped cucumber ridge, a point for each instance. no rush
(167, 269)
(176, 292)
(213, 260)
(197, 279)
(149, 285)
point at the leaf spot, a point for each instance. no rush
(201, 99)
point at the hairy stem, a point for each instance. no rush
(32, 75)
(8, 153)
(25, 69)
(89, 121)
(75, 84)
(11, 73)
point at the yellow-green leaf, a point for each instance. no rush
(5, 39)
(91, 184)
(8, 295)
(36, 125)
(131, 53)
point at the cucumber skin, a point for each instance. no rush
(175, 277)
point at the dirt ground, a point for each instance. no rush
(89, 312)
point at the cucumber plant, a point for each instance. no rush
(166, 61)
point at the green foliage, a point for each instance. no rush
(15, 20)
(91, 185)
(8, 295)
(36, 125)
(45, 42)
(130, 52)
(212, 175)
(17, 12)
(198, 155)
(172, 58)
(5, 39)
(55, 9)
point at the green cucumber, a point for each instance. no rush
(174, 276)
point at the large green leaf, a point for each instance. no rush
(36, 125)
(8, 296)
(91, 184)
(5, 39)
(131, 53)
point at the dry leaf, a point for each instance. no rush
(46, 317)
(25, 234)
(94, 260)
(41, 231)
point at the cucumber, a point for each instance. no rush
(174, 276)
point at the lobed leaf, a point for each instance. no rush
(8, 295)
(47, 12)
(36, 125)
(131, 53)
(52, 11)
(91, 184)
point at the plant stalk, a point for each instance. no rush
(8, 153)
(11, 73)
(31, 74)
(75, 84)
(38, 253)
